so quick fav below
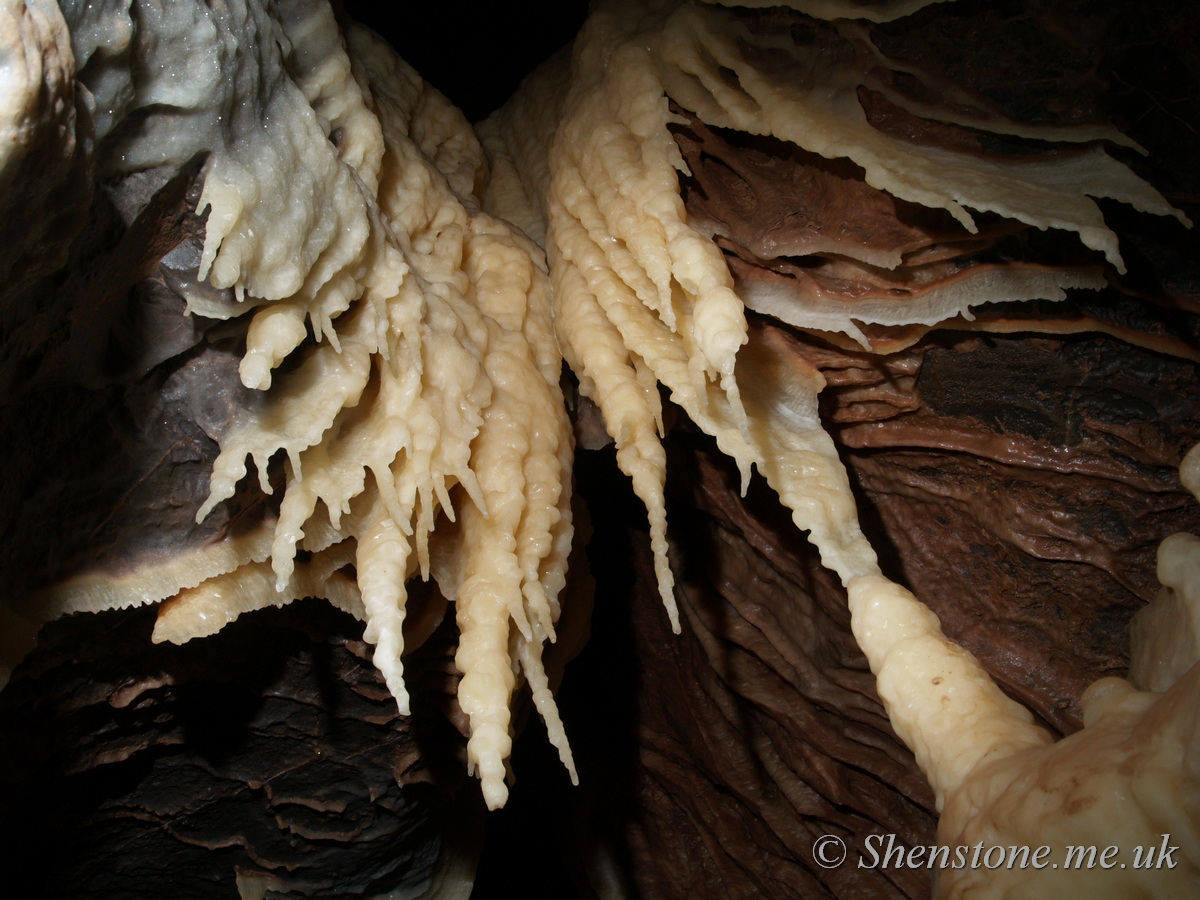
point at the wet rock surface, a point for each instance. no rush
(1019, 483)
(763, 711)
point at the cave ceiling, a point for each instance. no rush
(748, 375)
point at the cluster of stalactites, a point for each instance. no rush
(441, 375)
(420, 414)
(642, 299)
(420, 418)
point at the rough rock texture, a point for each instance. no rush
(1025, 497)
(1018, 482)
(110, 397)
(775, 199)
(1020, 485)
(270, 751)
(756, 730)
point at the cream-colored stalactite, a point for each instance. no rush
(491, 594)
(266, 93)
(466, 395)
(301, 410)
(620, 241)
(614, 167)
(632, 412)
(787, 441)
(598, 272)
(382, 562)
(262, 91)
(513, 290)
(1130, 779)
(287, 217)
(796, 455)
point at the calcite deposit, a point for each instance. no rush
(889, 314)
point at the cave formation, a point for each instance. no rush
(1016, 472)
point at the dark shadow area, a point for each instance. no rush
(135, 770)
(476, 53)
(551, 832)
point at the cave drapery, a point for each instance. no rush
(1016, 470)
